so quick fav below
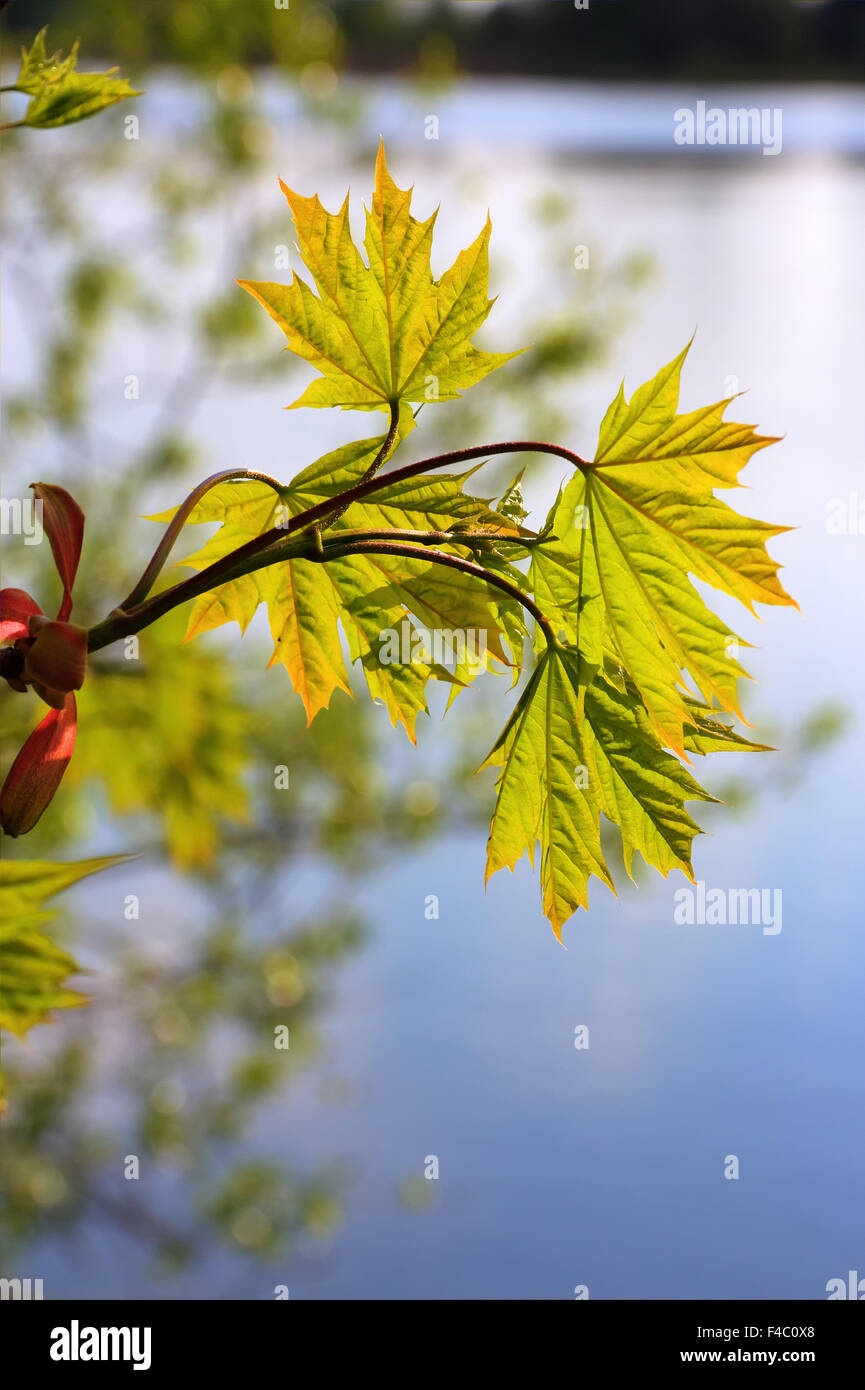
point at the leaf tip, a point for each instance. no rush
(556, 926)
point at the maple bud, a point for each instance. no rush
(55, 658)
(49, 656)
(63, 521)
(36, 773)
(16, 610)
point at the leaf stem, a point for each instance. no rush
(323, 512)
(387, 445)
(418, 544)
(136, 613)
(334, 550)
(124, 622)
(472, 540)
(175, 526)
(367, 485)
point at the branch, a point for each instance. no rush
(335, 550)
(175, 526)
(365, 486)
(368, 485)
(472, 540)
(260, 543)
(123, 623)
(269, 547)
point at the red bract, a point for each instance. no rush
(50, 656)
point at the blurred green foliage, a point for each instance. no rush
(34, 970)
(152, 1044)
(58, 93)
(167, 737)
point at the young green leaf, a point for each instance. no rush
(33, 970)
(576, 748)
(631, 527)
(381, 332)
(367, 594)
(59, 94)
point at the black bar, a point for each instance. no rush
(282, 1335)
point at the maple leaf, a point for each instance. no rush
(33, 969)
(573, 749)
(365, 594)
(59, 94)
(606, 720)
(629, 529)
(382, 332)
(705, 734)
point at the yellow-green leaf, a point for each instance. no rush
(367, 595)
(634, 525)
(381, 332)
(576, 748)
(33, 969)
(59, 94)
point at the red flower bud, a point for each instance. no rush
(16, 610)
(57, 656)
(36, 773)
(63, 521)
(51, 657)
